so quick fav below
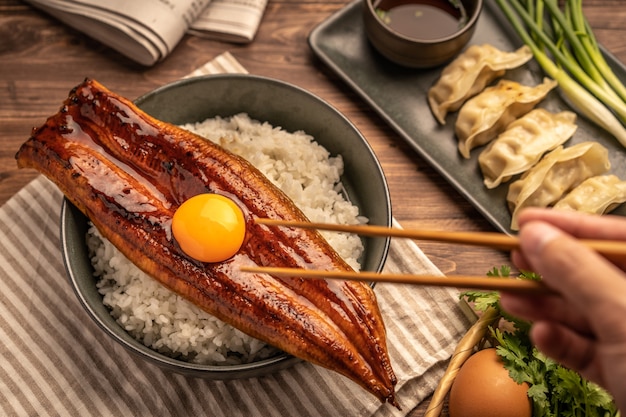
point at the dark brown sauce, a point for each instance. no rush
(422, 19)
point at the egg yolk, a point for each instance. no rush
(209, 227)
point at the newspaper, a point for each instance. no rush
(230, 20)
(148, 30)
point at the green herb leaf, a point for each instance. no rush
(554, 390)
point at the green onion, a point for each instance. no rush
(568, 52)
(582, 28)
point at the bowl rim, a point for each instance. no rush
(471, 22)
(69, 214)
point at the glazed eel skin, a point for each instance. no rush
(128, 173)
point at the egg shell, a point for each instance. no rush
(483, 388)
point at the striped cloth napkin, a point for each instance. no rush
(55, 361)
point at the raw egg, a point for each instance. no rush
(209, 227)
(483, 388)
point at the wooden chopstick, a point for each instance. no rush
(609, 249)
(458, 281)
(494, 240)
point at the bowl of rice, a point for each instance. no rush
(304, 146)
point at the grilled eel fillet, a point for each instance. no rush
(128, 173)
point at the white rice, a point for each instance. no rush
(167, 323)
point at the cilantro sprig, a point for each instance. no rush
(554, 389)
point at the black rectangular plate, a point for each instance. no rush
(398, 95)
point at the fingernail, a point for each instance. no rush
(535, 236)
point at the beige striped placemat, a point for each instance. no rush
(54, 361)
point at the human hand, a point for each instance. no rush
(584, 326)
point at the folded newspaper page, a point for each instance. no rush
(147, 31)
(230, 20)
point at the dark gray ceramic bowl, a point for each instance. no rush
(264, 99)
(414, 52)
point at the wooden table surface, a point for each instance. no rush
(42, 59)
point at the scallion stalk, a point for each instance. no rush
(589, 42)
(593, 99)
(578, 51)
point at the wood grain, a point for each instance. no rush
(42, 59)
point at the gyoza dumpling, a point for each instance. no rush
(523, 143)
(595, 195)
(469, 74)
(556, 174)
(486, 115)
